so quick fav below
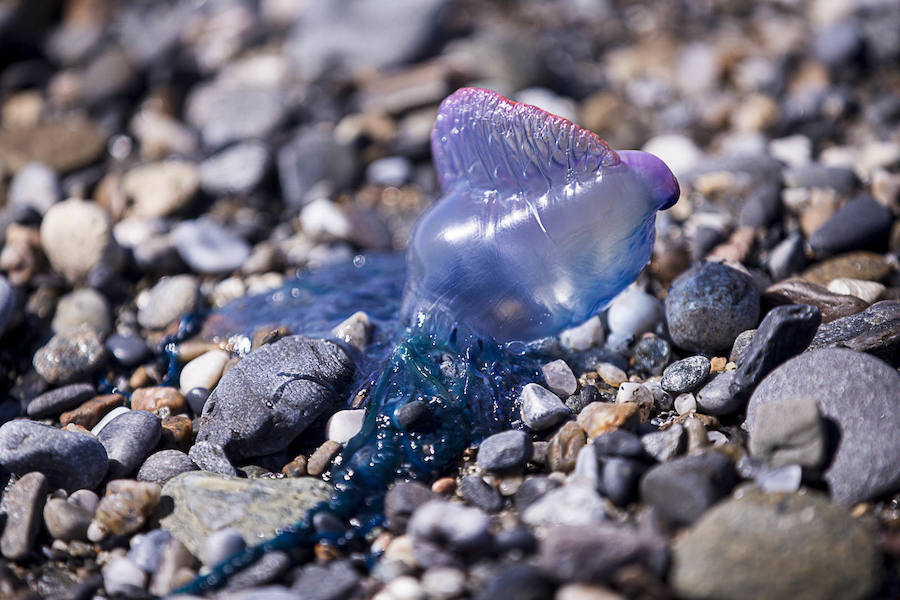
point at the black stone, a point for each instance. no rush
(402, 500)
(334, 581)
(875, 329)
(196, 399)
(475, 491)
(164, 465)
(651, 354)
(762, 207)
(619, 479)
(504, 451)
(127, 350)
(55, 402)
(520, 581)
(619, 443)
(862, 223)
(841, 179)
(412, 413)
(718, 397)
(685, 375)
(532, 489)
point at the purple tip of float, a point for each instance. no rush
(655, 175)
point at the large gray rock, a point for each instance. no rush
(257, 508)
(69, 460)
(859, 398)
(273, 394)
(776, 546)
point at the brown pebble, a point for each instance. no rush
(22, 256)
(89, 414)
(564, 447)
(737, 247)
(326, 552)
(444, 485)
(797, 291)
(62, 144)
(176, 433)
(602, 417)
(320, 459)
(72, 427)
(696, 433)
(191, 349)
(295, 468)
(856, 265)
(124, 508)
(717, 364)
(140, 378)
(267, 335)
(154, 398)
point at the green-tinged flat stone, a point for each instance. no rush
(203, 502)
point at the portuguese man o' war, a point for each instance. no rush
(539, 227)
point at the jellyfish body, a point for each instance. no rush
(541, 224)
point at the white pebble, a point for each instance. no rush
(541, 408)
(344, 424)
(204, 371)
(404, 587)
(559, 378)
(633, 312)
(443, 583)
(322, 219)
(581, 337)
(587, 469)
(123, 577)
(220, 545)
(685, 403)
(868, 291)
(633, 392)
(785, 479)
(354, 330)
(611, 374)
(679, 152)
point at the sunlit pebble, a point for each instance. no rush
(120, 147)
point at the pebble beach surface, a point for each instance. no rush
(726, 428)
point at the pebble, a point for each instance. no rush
(63, 144)
(856, 265)
(761, 208)
(402, 500)
(840, 179)
(267, 569)
(572, 504)
(35, 185)
(600, 417)
(867, 291)
(504, 451)
(619, 479)
(564, 447)
(831, 305)
(54, 402)
(124, 578)
(225, 112)
(127, 350)
(789, 431)
(196, 398)
(679, 152)
(69, 460)
(155, 398)
(786, 479)
(787, 258)
(90, 413)
(162, 466)
(332, 581)
(129, 439)
(321, 458)
(85, 306)
(169, 299)
(113, 414)
(860, 395)
(412, 413)
(631, 313)
(75, 236)
(312, 156)
(212, 458)
(176, 568)
(344, 425)
(804, 547)
(205, 371)
(720, 396)
(595, 552)
(651, 354)
(124, 508)
(208, 247)
(325, 221)
(682, 489)
(147, 549)
(444, 583)
(685, 403)
(587, 469)
(354, 330)
(269, 397)
(666, 444)
(611, 374)
(559, 378)
(238, 169)
(453, 526)
(862, 223)
(70, 355)
(66, 521)
(220, 545)
(475, 491)
(581, 337)
(709, 305)
(542, 409)
(160, 189)
(685, 375)
(636, 393)
(23, 502)
(86, 499)
(877, 327)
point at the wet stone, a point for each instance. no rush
(685, 375)
(803, 547)
(504, 451)
(70, 355)
(24, 503)
(858, 397)
(196, 398)
(320, 460)
(876, 328)
(784, 332)
(71, 461)
(709, 305)
(797, 291)
(684, 488)
(59, 400)
(541, 408)
(475, 491)
(129, 439)
(271, 395)
(651, 354)
(162, 466)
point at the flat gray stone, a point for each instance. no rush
(164, 465)
(267, 399)
(257, 508)
(129, 439)
(859, 398)
(24, 503)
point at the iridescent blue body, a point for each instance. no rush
(540, 226)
